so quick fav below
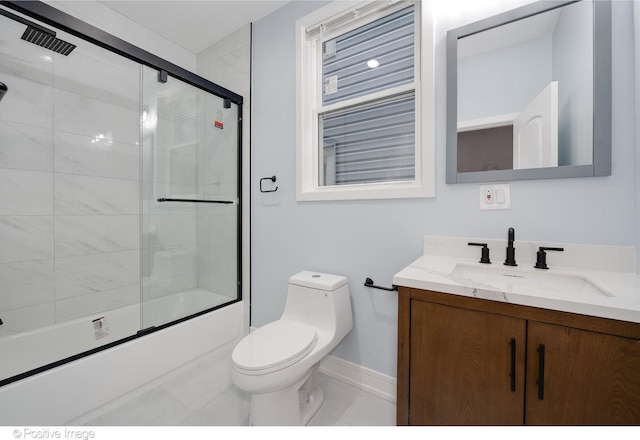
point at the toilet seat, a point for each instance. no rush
(273, 347)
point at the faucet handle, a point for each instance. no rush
(541, 256)
(485, 252)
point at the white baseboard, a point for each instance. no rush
(368, 380)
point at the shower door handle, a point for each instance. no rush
(225, 202)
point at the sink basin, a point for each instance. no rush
(522, 281)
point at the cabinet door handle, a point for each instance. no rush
(512, 374)
(540, 380)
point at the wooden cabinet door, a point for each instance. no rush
(460, 367)
(586, 377)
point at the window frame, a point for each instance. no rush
(309, 102)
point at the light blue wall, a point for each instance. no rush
(378, 238)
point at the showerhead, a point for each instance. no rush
(40, 35)
(3, 90)
(47, 39)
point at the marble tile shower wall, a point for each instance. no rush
(69, 182)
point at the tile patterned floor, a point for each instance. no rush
(176, 403)
(344, 405)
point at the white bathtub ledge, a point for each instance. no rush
(60, 395)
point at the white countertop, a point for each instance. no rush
(620, 285)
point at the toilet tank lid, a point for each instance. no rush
(318, 280)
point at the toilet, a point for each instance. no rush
(278, 363)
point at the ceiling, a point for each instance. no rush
(194, 25)
(528, 29)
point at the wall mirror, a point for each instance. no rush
(529, 94)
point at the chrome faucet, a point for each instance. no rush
(511, 251)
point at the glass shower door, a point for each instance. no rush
(189, 200)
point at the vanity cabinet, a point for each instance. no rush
(469, 361)
(584, 377)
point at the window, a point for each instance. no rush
(365, 102)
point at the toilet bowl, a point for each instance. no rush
(278, 362)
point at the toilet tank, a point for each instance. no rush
(317, 280)
(321, 300)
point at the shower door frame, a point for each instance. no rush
(78, 28)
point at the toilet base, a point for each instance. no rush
(314, 406)
(292, 406)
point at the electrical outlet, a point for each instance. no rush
(487, 197)
(495, 196)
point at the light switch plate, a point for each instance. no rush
(496, 196)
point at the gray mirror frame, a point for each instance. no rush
(601, 165)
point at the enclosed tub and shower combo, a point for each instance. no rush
(120, 206)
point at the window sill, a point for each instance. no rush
(365, 191)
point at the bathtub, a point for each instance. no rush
(59, 394)
(50, 344)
